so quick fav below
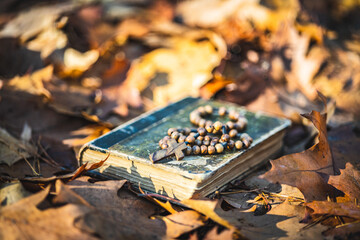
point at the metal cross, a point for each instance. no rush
(173, 149)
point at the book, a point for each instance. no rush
(128, 148)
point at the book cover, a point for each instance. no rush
(130, 145)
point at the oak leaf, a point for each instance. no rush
(348, 209)
(348, 181)
(182, 222)
(304, 170)
(24, 220)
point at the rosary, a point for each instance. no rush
(209, 138)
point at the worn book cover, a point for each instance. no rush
(130, 145)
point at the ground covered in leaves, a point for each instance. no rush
(71, 71)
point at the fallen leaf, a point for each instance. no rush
(305, 63)
(11, 193)
(215, 85)
(183, 75)
(48, 40)
(348, 181)
(84, 168)
(213, 234)
(31, 22)
(70, 63)
(208, 208)
(116, 207)
(182, 222)
(24, 220)
(348, 209)
(32, 83)
(303, 170)
(65, 195)
(12, 150)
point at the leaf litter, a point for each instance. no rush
(71, 72)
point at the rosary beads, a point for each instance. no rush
(210, 138)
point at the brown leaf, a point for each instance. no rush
(116, 207)
(12, 150)
(169, 72)
(348, 181)
(24, 220)
(208, 208)
(302, 170)
(65, 195)
(182, 222)
(347, 209)
(84, 168)
(32, 83)
(227, 234)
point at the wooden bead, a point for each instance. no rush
(187, 131)
(213, 143)
(206, 142)
(233, 133)
(188, 150)
(208, 123)
(246, 136)
(181, 139)
(198, 142)
(215, 139)
(196, 149)
(164, 146)
(238, 144)
(246, 143)
(225, 137)
(203, 149)
(218, 125)
(202, 122)
(201, 110)
(190, 139)
(222, 111)
(201, 138)
(171, 130)
(209, 128)
(201, 131)
(219, 148)
(241, 124)
(207, 138)
(175, 135)
(211, 150)
(231, 144)
(230, 125)
(161, 142)
(208, 109)
(234, 115)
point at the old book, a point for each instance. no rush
(130, 145)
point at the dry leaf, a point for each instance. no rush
(11, 193)
(84, 168)
(72, 63)
(50, 39)
(213, 234)
(304, 65)
(208, 208)
(65, 195)
(182, 222)
(13, 150)
(32, 83)
(348, 209)
(187, 65)
(116, 207)
(348, 181)
(31, 22)
(24, 220)
(303, 170)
